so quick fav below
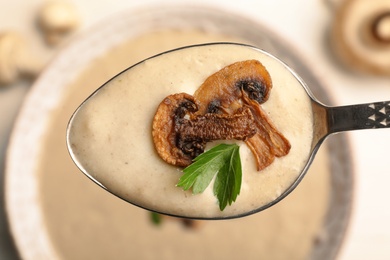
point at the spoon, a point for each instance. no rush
(109, 135)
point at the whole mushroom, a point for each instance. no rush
(16, 60)
(57, 19)
(360, 35)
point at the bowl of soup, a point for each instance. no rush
(55, 212)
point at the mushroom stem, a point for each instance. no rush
(210, 127)
(279, 145)
(262, 152)
(180, 134)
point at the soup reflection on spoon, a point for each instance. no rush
(211, 131)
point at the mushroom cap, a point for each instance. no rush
(360, 35)
(58, 16)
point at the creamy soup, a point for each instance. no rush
(110, 134)
(84, 221)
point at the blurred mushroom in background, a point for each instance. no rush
(16, 59)
(360, 35)
(57, 19)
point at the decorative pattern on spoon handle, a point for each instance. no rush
(378, 114)
(354, 117)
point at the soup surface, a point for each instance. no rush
(86, 222)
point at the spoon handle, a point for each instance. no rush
(362, 116)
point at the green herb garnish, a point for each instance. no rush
(223, 161)
(155, 218)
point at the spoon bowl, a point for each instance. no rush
(107, 141)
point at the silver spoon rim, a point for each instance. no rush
(315, 145)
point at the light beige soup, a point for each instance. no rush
(86, 222)
(110, 134)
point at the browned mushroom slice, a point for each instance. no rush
(280, 145)
(225, 87)
(170, 110)
(211, 127)
(261, 150)
(245, 83)
(180, 135)
(267, 142)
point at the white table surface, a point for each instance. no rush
(304, 23)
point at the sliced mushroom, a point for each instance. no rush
(226, 106)
(245, 83)
(180, 134)
(223, 89)
(163, 128)
(278, 143)
(210, 127)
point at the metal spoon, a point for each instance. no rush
(325, 121)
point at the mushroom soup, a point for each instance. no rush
(83, 220)
(111, 134)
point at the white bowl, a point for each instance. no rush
(23, 201)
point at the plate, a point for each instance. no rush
(37, 219)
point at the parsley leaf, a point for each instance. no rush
(155, 218)
(223, 161)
